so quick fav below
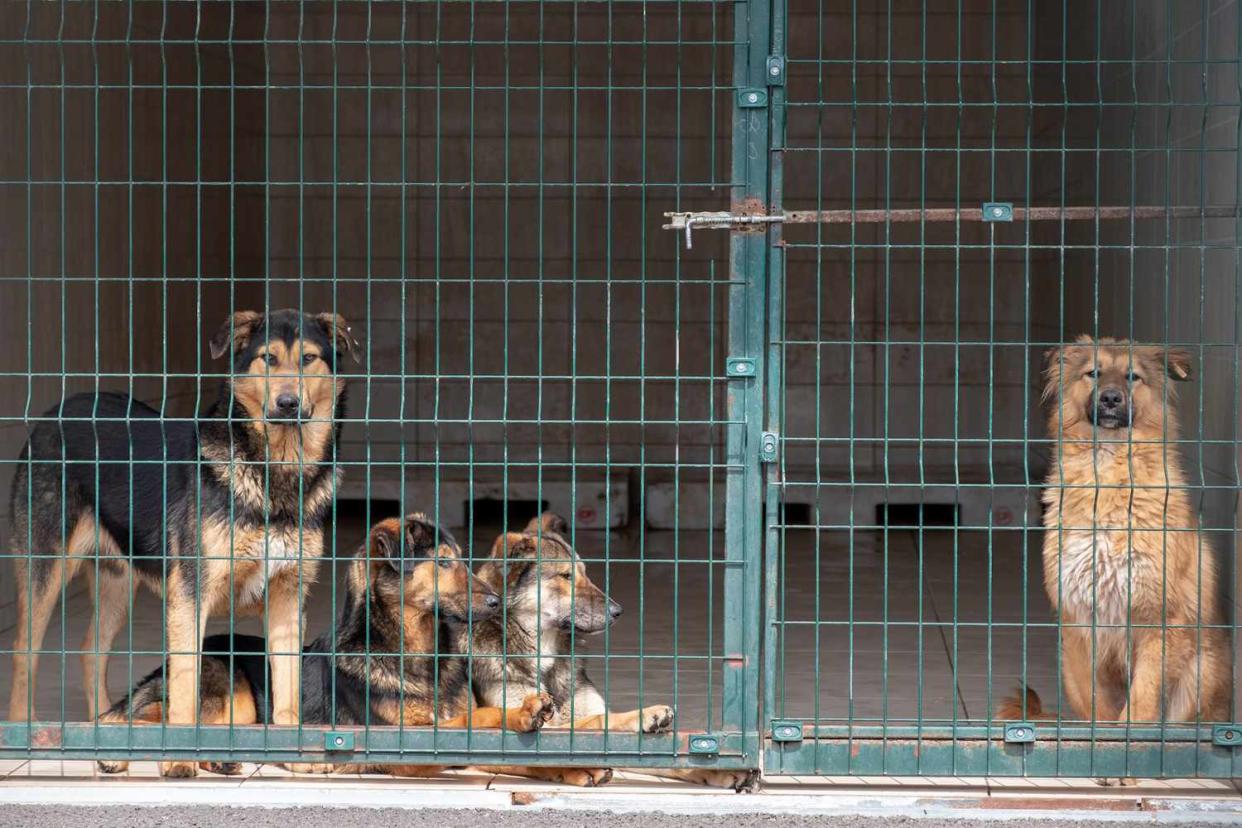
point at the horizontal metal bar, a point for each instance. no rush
(440, 746)
(941, 214)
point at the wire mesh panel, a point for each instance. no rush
(459, 202)
(967, 503)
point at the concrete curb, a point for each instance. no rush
(910, 805)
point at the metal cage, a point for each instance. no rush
(756, 294)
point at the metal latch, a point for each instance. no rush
(714, 221)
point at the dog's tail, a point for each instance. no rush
(1023, 705)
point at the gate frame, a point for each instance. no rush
(978, 748)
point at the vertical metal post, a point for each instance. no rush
(747, 271)
(774, 397)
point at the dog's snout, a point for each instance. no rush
(614, 610)
(287, 403)
(492, 601)
(1111, 398)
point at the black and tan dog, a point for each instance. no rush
(389, 661)
(549, 600)
(222, 515)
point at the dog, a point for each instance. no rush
(1125, 566)
(548, 602)
(221, 514)
(389, 660)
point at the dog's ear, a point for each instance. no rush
(1054, 361)
(506, 544)
(235, 333)
(340, 334)
(384, 541)
(509, 560)
(547, 522)
(1177, 363)
(421, 537)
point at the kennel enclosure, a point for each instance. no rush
(798, 433)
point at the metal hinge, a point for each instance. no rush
(714, 221)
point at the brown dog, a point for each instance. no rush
(1125, 565)
(551, 604)
(384, 662)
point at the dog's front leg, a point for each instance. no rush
(284, 641)
(186, 619)
(1147, 678)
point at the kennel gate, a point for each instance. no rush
(914, 194)
(955, 188)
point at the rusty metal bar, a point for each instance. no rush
(687, 222)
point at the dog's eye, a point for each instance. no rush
(1133, 377)
(270, 359)
(307, 359)
(1092, 374)
(566, 575)
(445, 563)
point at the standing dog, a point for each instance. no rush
(1125, 565)
(389, 660)
(548, 600)
(225, 513)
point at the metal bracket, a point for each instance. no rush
(338, 740)
(786, 730)
(776, 70)
(1019, 733)
(997, 211)
(705, 744)
(739, 367)
(1227, 736)
(769, 446)
(752, 98)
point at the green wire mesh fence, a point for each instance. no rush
(799, 436)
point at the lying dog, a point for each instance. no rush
(549, 600)
(220, 515)
(409, 594)
(1125, 566)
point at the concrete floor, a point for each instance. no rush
(919, 644)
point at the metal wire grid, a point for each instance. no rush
(906, 353)
(470, 184)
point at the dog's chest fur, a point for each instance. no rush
(1106, 536)
(1097, 576)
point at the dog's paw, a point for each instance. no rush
(1117, 782)
(584, 777)
(309, 767)
(225, 768)
(112, 765)
(741, 781)
(656, 719)
(537, 710)
(178, 770)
